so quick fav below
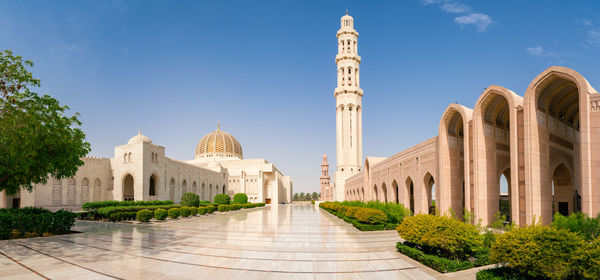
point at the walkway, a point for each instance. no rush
(286, 242)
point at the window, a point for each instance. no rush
(152, 189)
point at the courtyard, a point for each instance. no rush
(284, 242)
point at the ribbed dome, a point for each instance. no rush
(218, 144)
(139, 139)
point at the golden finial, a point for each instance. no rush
(140, 132)
(219, 125)
(346, 11)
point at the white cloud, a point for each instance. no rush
(594, 38)
(586, 22)
(429, 2)
(482, 21)
(455, 8)
(539, 51)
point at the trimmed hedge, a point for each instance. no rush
(499, 273)
(193, 211)
(369, 216)
(441, 235)
(107, 211)
(160, 214)
(33, 221)
(210, 209)
(395, 212)
(240, 198)
(144, 215)
(222, 199)
(122, 216)
(90, 206)
(174, 213)
(232, 207)
(201, 210)
(362, 218)
(223, 208)
(190, 200)
(440, 264)
(184, 211)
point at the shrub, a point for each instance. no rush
(201, 210)
(235, 206)
(223, 208)
(580, 223)
(222, 198)
(438, 263)
(107, 211)
(210, 209)
(587, 259)
(174, 213)
(499, 273)
(538, 251)
(160, 214)
(144, 215)
(101, 204)
(240, 198)
(395, 212)
(351, 211)
(184, 211)
(122, 216)
(193, 211)
(190, 200)
(370, 216)
(452, 238)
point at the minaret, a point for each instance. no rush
(325, 179)
(348, 97)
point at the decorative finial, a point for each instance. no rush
(219, 125)
(346, 11)
(140, 132)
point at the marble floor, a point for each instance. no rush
(283, 242)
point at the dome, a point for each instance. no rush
(218, 144)
(139, 139)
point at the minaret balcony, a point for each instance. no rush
(352, 56)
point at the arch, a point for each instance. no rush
(384, 192)
(85, 190)
(375, 196)
(210, 192)
(172, 189)
(152, 185)
(129, 157)
(57, 192)
(410, 191)
(97, 189)
(495, 144)
(128, 190)
(396, 197)
(71, 191)
(125, 158)
(203, 195)
(558, 105)
(224, 191)
(455, 142)
(194, 187)
(184, 187)
(429, 183)
(564, 195)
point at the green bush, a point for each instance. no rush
(190, 200)
(210, 209)
(101, 204)
(34, 220)
(174, 213)
(122, 216)
(193, 211)
(440, 264)
(223, 208)
(351, 211)
(446, 236)
(587, 259)
(499, 273)
(538, 251)
(240, 198)
(144, 215)
(370, 216)
(580, 223)
(395, 212)
(201, 210)
(160, 214)
(107, 211)
(260, 204)
(184, 211)
(222, 199)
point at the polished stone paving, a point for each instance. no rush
(284, 242)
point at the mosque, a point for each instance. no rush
(140, 171)
(545, 144)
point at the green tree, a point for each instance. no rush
(296, 197)
(308, 197)
(302, 196)
(37, 137)
(315, 196)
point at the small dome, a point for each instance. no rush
(139, 139)
(218, 144)
(347, 21)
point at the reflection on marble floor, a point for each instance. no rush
(284, 242)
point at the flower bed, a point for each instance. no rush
(34, 222)
(362, 218)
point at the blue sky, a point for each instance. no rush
(266, 69)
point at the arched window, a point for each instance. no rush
(172, 189)
(125, 158)
(152, 189)
(224, 189)
(184, 187)
(128, 190)
(85, 190)
(129, 157)
(97, 189)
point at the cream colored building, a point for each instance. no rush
(140, 170)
